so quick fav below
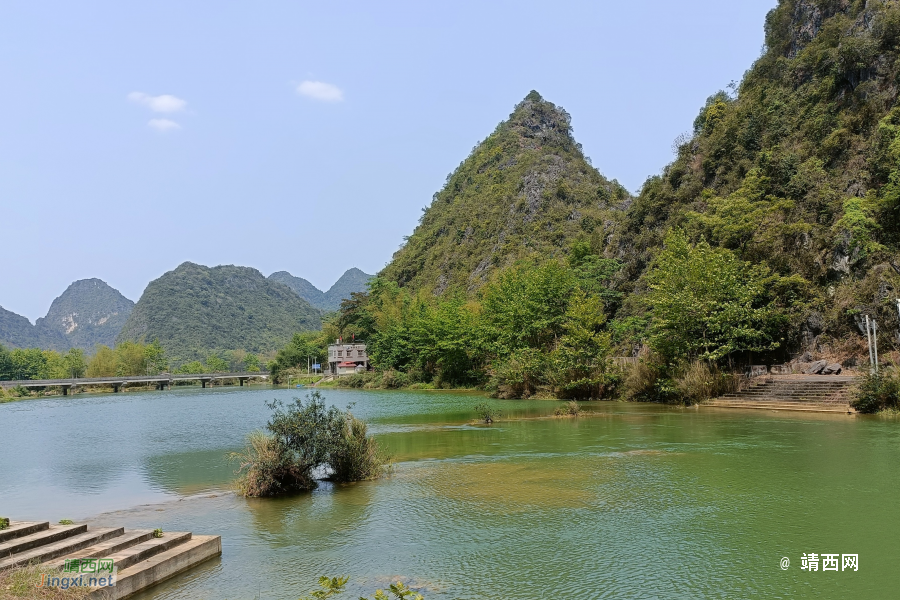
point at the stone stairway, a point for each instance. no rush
(811, 393)
(140, 559)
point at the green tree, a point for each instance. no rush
(708, 304)
(103, 363)
(131, 359)
(194, 367)
(155, 358)
(74, 363)
(526, 307)
(216, 364)
(6, 365)
(28, 363)
(302, 348)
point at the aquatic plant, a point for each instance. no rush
(357, 456)
(305, 437)
(571, 409)
(332, 586)
(486, 412)
(266, 469)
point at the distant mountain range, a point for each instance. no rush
(352, 281)
(191, 311)
(88, 313)
(196, 309)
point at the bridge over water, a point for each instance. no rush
(162, 381)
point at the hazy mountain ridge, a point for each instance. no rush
(195, 309)
(17, 331)
(88, 313)
(353, 280)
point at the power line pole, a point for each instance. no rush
(869, 340)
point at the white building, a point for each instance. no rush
(344, 359)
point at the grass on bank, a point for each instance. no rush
(21, 582)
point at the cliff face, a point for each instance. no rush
(525, 191)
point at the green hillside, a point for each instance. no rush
(798, 168)
(526, 190)
(196, 309)
(88, 313)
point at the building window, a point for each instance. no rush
(360, 353)
(340, 353)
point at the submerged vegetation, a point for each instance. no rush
(304, 439)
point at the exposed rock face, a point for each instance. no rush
(88, 313)
(806, 22)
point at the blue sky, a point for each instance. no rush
(307, 136)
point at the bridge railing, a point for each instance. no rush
(162, 377)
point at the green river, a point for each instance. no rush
(632, 501)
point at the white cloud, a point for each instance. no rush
(319, 90)
(165, 103)
(163, 124)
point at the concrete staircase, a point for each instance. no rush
(810, 393)
(141, 560)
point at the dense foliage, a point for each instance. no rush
(796, 170)
(877, 392)
(774, 230)
(306, 438)
(536, 328)
(34, 363)
(195, 310)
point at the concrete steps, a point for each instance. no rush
(140, 559)
(20, 529)
(161, 567)
(808, 393)
(63, 546)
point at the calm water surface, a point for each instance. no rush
(631, 502)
